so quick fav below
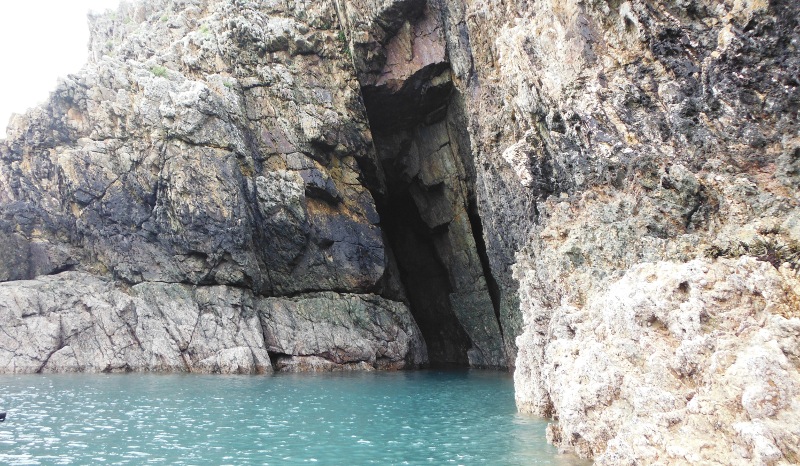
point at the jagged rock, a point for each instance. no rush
(426, 185)
(174, 153)
(205, 144)
(341, 331)
(609, 137)
(677, 362)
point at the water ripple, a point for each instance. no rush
(374, 418)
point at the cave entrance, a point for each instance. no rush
(424, 189)
(425, 278)
(428, 214)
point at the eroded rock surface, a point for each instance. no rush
(74, 322)
(677, 362)
(206, 159)
(614, 149)
(620, 149)
(425, 185)
(205, 143)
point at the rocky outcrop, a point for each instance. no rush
(634, 160)
(634, 164)
(185, 154)
(74, 322)
(205, 160)
(693, 362)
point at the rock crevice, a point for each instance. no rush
(425, 190)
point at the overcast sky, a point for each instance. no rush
(41, 40)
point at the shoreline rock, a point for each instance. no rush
(601, 194)
(75, 322)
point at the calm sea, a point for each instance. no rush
(423, 417)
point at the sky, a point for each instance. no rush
(40, 40)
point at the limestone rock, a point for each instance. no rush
(341, 331)
(179, 148)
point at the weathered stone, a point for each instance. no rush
(167, 158)
(75, 322)
(343, 330)
(611, 136)
(427, 184)
(678, 362)
(205, 144)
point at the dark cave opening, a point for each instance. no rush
(398, 117)
(423, 183)
(278, 360)
(425, 278)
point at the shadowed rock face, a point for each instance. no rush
(426, 186)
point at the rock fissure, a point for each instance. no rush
(423, 190)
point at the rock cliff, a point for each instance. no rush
(638, 160)
(602, 194)
(195, 193)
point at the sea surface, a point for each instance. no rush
(422, 417)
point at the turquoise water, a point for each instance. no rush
(425, 417)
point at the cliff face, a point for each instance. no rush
(600, 193)
(634, 168)
(197, 189)
(637, 161)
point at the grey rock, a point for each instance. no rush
(168, 157)
(206, 158)
(341, 331)
(76, 322)
(610, 138)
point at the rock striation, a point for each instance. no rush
(77, 322)
(600, 194)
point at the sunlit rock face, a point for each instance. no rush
(599, 194)
(637, 161)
